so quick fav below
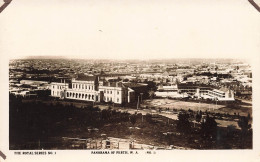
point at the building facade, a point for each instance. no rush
(207, 92)
(113, 92)
(58, 89)
(90, 88)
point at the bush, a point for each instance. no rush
(133, 119)
(183, 124)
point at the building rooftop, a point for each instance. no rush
(133, 85)
(86, 78)
(223, 89)
(192, 85)
(113, 84)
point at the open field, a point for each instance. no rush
(176, 104)
(155, 104)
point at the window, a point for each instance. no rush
(111, 92)
(118, 92)
(117, 99)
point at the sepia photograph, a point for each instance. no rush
(130, 104)
(129, 80)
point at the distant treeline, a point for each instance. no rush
(214, 75)
(47, 79)
(36, 71)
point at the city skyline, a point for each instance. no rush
(168, 60)
(143, 94)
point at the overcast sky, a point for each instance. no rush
(130, 29)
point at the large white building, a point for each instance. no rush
(58, 89)
(204, 91)
(222, 94)
(89, 88)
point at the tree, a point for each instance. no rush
(104, 114)
(248, 116)
(133, 119)
(148, 118)
(183, 124)
(209, 128)
(198, 117)
(245, 127)
(243, 124)
(151, 85)
(231, 130)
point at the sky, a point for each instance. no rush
(130, 29)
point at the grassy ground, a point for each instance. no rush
(176, 104)
(43, 124)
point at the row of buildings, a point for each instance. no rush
(93, 88)
(98, 89)
(200, 91)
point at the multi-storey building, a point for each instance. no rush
(83, 88)
(113, 92)
(58, 89)
(206, 91)
(90, 88)
(222, 94)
